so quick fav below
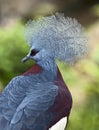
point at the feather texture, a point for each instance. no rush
(64, 37)
(25, 101)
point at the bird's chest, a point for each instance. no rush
(62, 104)
(63, 100)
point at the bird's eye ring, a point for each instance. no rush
(33, 52)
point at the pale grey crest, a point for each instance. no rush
(64, 37)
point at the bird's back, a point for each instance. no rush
(31, 101)
(62, 104)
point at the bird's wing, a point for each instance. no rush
(31, 110)
(10, 98)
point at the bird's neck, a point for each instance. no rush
(49, 66)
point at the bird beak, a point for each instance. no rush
(25, 59)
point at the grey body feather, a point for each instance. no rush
(26, 100)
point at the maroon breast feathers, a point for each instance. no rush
(63, 102)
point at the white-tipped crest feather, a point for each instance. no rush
(64, 37)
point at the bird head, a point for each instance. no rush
(55, 37)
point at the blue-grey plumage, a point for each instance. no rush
(39, 98)
(26, 99)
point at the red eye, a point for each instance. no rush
(33, 52)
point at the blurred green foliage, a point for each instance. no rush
(82, 78)
(12, 50)
(86, 116)
(83, 82)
